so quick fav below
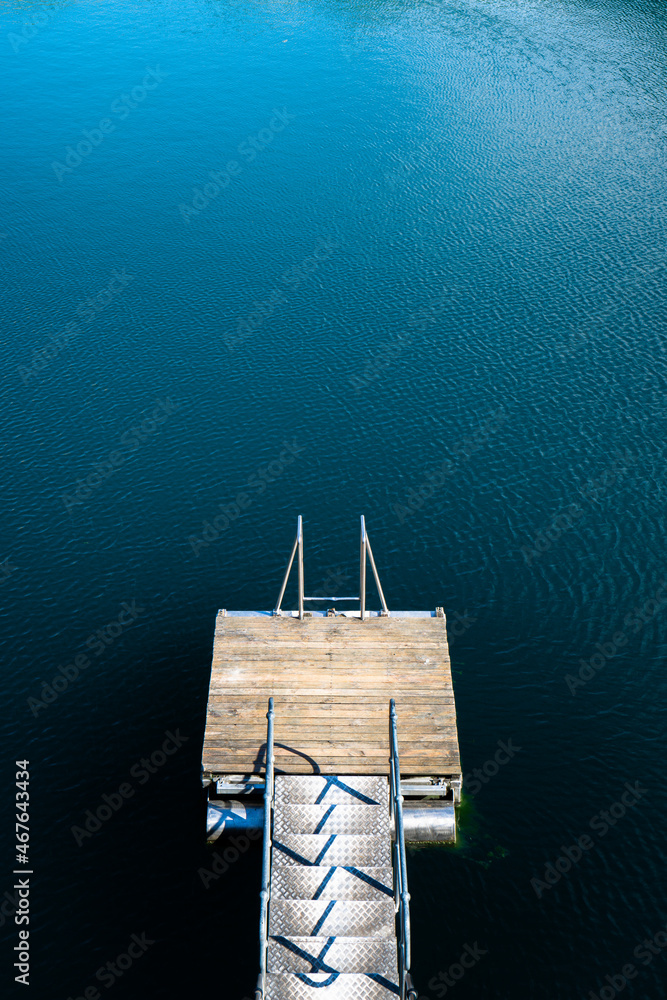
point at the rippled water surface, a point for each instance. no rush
(404, 259)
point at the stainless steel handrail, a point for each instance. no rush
(299, 538)
(402, 896)
(385, 609)
(362, 569)
(265, 893)
(298, 544)
(365, 549)
(365, 552)
(331, 598)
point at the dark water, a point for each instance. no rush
(431, 260)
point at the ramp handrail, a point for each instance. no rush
(402, 896)
(265, 893)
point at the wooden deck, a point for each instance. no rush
(331, 679)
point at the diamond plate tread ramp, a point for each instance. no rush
(333, 954)
(314, 882)
(332, 818)
(336, 849)
(293, 789)
(324, 986)
(332, 922)
(317, 917)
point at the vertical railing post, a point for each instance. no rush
(403, 896)
(299, 535)
(265, 893)
(362, 570)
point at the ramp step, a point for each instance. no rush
(364, 918)
(324, 986)
(333, 954)
(292, 789)
(314, 882)
(336, 849)
(331, 818)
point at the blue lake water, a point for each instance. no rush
(404, 259)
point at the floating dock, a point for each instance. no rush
(360, 754)
(331, 679)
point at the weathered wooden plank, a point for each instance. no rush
(320, 633)
(319, 691)
(342, 680)
(298, 734)
(360, 671)
(303, 646)
(321, 710)
(381, 699)
(407, 724)
(256, 724)
(372, 708)
(325, 685)
(226, 763)
(357, 668)
(340, 619)
(428, 766)
(342, 701)
(326, 745)
(444, 763)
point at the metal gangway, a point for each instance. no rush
(335, 918)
